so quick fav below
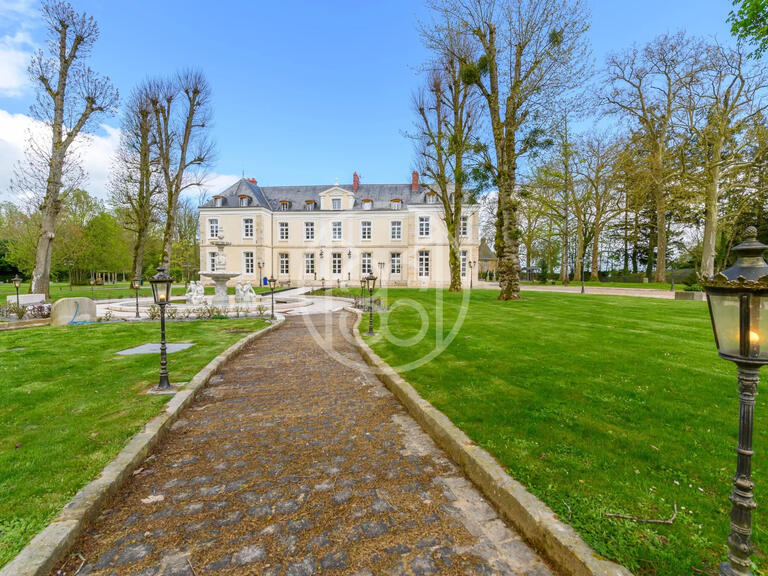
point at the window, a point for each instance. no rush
(464, 227)
(211, 261)
(336, 230)
(248, 262)
(284, 264)
(283, 230)
(213, 228)
(336, 262)
(396, 230)
(284, 205)
(365, 230)
(309, 230)
(395, 204)
(365, 263)
(309, 206)
(423, 263)
(336, 203)
(309, 263)
(431, 198)
(463, 263)
(423, 226)
(367, 204)
(247, 227)
(244, 201)
(218, 201)
(394, 261)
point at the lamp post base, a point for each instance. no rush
(727, 570)
(164, 383)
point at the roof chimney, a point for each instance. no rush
(355, 181)
(414, 181)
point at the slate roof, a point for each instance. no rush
(485, 252)
(270, 196)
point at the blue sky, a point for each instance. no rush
(304, 91)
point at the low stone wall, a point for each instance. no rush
(69, 310)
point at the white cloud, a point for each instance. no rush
(95, 151)
(16, 45)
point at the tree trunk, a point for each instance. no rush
(41, 275)
(710, 221)
(508, 256)
(595, 273)
(579, 265)
(661, 238)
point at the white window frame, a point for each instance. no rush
(245, 228)
(463, 260)
(285, 264)
(249, 263)
(282, 227)
(335, 203)
(336, 226)
(211, 221)
(212, 260)
(366, 225)
(309, 230)
(218, 202)
(432, 198)
(396, 205)
(396, 225)
(366, 263)
(464, 226)
(336, 263)
(243, 202)
(423, 263)
(284, 206)
(309, 206)
(395, 263)
(309, 263)
(424, 227)
(367, 204)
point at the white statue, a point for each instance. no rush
(221, 261)
(238, 293)
(248, 295)
(195, 293)
(190, 295)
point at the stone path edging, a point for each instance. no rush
(19, 324)
(538, 524)
(46, 549)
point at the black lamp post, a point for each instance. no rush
(161, 291)
(17, 284)
(92, 282)
(69, 265)
(136, 285)
(738, 307)
(471, 274)
(272, 281)
(370, 282)
(363, 286)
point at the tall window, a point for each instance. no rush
(423, 226)
(336, 203)
(423, 263)
(395, 204)
(365, 263)
(463, 263)
(284, 264)
(284, 205)
(218, 202)
(211, 261)
(464, 227)
(213, 228)
(365, 230)
(247, 227)
(394, 261)
(396, 230)
(309, 206)
(243, 201)
(336, 263)
(336, 230)
(367, 204)
(248, 262)
(283, 230)
(309, 230)
(309, 263)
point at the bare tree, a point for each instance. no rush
(648, 86)
(70, 97)
(136, 182)
(529, 51)
(182, 115)
(446, 140)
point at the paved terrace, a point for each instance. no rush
(292, 463)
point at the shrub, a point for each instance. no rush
(39, 311)
(16, 310)
(261, 309)
(153, 312)
(172, 312)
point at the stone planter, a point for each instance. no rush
(690, 296)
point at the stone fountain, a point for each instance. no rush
(220, 276)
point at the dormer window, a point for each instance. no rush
(336, 203)
(395, 204)
(431, 198)
(367, 204)
(218, 201)
(284, 205)
(309, 205)
(245, 200)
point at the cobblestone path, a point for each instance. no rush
(291, 463)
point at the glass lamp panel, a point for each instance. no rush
(725, 320)
(759, 328)
(156, 292)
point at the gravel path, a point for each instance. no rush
(292, 463)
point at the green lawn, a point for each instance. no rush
(109, 291)
(598, 404)
(69, 404)
(633, 285)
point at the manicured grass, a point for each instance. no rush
(632, 285)
(597, 404)
(69, 404)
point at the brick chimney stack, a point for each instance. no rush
(414, 181)
(355, 181)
